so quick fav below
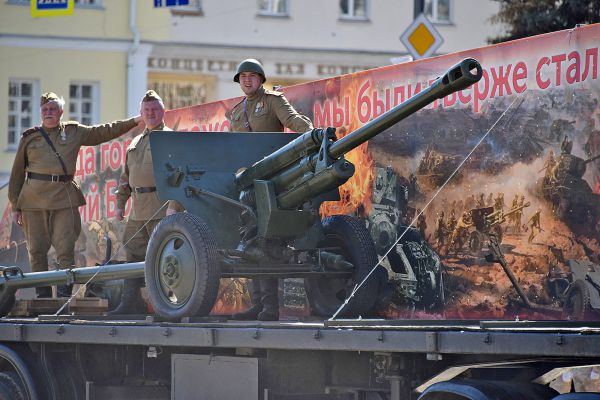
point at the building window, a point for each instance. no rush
(23, 108)
(193, 7)
(273, 7)
(438, 11)
(96, 3)
(83, 98)
(354, 9)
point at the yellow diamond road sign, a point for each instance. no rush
(421, 38)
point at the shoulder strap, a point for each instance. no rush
(56, 153)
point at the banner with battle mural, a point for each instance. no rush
(486, 204)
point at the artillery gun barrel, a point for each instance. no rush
(591, 159)
(457, 78)
(12, 279)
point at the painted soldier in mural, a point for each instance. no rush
(534, 225)
(42, 193)
(440, 230)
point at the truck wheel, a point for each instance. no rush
(182, 269)
(7, 300)
(577, 301)
(10, 386)
(327, 295)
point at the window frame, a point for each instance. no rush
(195, 9)
(94, 99)
(434, 16)
(351, 15)
(35, 110)
(270, 13)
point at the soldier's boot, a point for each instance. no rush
(257, 306)
(131, 298)
(43, 292)
(64, 290)
(270, 300)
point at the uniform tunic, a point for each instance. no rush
(50, 209)
(267, 111)
(146, 207)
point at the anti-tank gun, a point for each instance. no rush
(486, 221)
(277, 200)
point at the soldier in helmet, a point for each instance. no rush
(43, 195)
(262, 110)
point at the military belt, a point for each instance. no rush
(145, 189)
(49, 177)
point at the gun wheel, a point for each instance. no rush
(327, 295)
(182, 269)
(7, 300)
(577, 301)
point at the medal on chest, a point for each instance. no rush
(63, 136)
(259, 107)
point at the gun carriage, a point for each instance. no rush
(274, 203)
(486, 220)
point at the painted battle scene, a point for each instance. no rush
(484, 210)
(532, 185)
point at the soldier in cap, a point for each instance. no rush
(137, 182)
(262, 110)
(43, 196)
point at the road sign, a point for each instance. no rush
(421, 38)
(171, 3)
(51, 8)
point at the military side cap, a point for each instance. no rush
(151, 95)
(48, 97)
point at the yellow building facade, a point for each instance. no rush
(95, 58)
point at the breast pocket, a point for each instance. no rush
(147, 156)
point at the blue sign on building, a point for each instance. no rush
(171, 3)
(47, 8)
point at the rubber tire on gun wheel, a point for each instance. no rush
(182, 268)
(577, 301)
(327, 295)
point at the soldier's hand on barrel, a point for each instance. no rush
(17, 218)
(120, 214)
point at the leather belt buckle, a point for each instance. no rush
(55, 178)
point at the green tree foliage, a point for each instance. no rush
(524, 18)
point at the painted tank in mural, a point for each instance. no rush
(571, 196)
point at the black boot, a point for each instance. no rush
(131, 298)
(43, 292)
(270, 300)
(255, 295)
(64, 290)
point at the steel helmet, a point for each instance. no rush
(249, 65)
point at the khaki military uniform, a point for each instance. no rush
(50, 208)
(266, 111)
(137, 181)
